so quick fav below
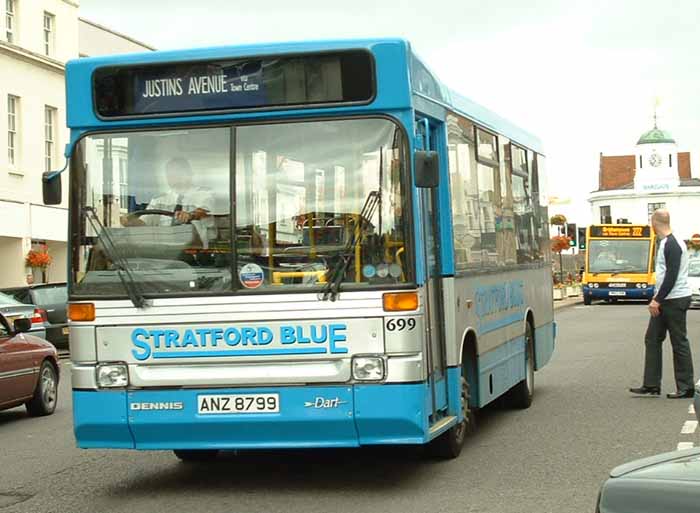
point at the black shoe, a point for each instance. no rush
(681, 394)
(646, 390)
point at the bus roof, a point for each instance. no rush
(83, 68)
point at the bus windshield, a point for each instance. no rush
(618, 256)
(157, 206)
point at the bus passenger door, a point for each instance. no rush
(426, 139)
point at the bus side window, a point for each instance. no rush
(465, 193)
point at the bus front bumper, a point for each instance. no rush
(618, 293)
(330, 416)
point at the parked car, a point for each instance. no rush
(51, 300)
(28, 368)
(694, 281)
(13, 309)
(696, 400)
(665, 483)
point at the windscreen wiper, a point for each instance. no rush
(127, 279)
(335, 277)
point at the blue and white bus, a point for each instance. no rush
(295, 246)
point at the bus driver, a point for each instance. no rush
(189, 204)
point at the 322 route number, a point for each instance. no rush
(401, 324)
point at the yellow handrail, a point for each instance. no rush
(278, 276)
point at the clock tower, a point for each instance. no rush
(656, 161)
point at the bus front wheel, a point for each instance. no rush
(586, 300)
(189, 456)
(449, 445)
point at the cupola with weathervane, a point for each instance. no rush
(656, 158)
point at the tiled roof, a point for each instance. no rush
(617, 171)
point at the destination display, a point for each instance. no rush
(620, 231)
(223, 85)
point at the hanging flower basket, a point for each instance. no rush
(39, 261)
(557, 220)
(38, 258)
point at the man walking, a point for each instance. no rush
(668, 313)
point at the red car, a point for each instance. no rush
(28, 369)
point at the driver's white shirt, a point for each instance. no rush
(190, 200)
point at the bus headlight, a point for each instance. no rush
(594, 285)
(112, 375)
(644, 285)
(368, 368)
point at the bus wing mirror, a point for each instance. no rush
(51, 187)
(427, 169)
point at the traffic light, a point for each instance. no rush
(582, 237)
(571, 233)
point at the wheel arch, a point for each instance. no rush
(530, 319)
(468, 352)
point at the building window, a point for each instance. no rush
(653, 207)
(605, 215)
(12, 129)
(640, 162)
(49, 27)
(670, 160)
(10, 21)
(49, 136)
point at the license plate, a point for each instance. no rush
(66, 331)
(238, 403)
(618, 293)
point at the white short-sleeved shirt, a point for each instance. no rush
(190, 201)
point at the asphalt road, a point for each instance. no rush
(549, 458)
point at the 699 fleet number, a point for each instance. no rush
(401, 324)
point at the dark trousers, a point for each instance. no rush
(673, 320)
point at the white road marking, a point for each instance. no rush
(684, 445)
(689, 427)
(691, 409)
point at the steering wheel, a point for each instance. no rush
(152, 211)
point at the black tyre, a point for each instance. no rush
(45, 393)
(520, 396)
(195, 455)
(449, 445)
(586, 299)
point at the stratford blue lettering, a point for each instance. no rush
(248, 335)
(321, 337)
(188, 339)
(139, 337)
(171, 338)
(265, 336)
(232, 337)
(216, 335)
(301, 339)
(287, 335)
(336, 337)
(203, 332)
(157, 335)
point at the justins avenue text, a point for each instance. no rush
(209, 84)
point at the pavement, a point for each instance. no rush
(550, 458)
(569, 301)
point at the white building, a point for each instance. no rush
(37, 37)
(631, 187)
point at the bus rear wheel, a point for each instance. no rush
(191, 456)
(520, 396)
(449, 445)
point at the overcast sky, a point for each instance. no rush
(582, 75)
